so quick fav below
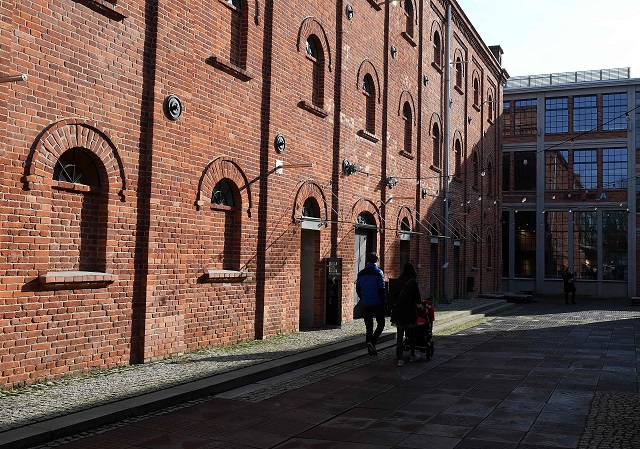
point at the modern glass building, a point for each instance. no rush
(570, 182)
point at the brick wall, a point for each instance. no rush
(158, 266)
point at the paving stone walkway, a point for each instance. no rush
(543, 376)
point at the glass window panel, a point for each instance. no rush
(525, 244)
(524, 170)
(585, 244)
(506, 172)
(585, 168)
(506, 244)
(556, 115)
(585, 113)
(506, 118)
(614, 168)
(558, 174)
(556, 243)
(637, 121)
(614, 109)
(614, 246)
(525, 117)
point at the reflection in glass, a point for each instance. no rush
(614, 168)
(558, 173)
(614, 246)
(556, 115)
(525, 244)
(585, 244)
(585, 167)
(614, 111)
(556, 242)
(585, 113)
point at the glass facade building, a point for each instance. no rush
(569, 182)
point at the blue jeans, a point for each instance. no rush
(369, 313)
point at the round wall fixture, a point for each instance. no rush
(172, 107)
(279, 143)
(349, 11)
(394, 52)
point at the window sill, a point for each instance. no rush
(476, 107)
(75, 279)
(226, 276)
(229, 5)
(107, 8)
(71, 187)
(310, 107)
(409, 39)
(230, 68)
(375, 5)
(458, 89)
(435, 169)
(475, 269)
(457, 178)
(369, 136)
(406, 154)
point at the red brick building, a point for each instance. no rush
(177, 176)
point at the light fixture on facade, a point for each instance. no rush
(349, 11)
(348, 168)
(391, 182)
(394, 52)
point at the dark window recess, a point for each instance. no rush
(524, 170)
(223, 194)
(76, 166)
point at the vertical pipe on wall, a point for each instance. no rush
(445, 168)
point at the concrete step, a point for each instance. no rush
(453, 316)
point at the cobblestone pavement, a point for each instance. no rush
(544, 376)
(45, 400)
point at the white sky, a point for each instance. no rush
(550, 36)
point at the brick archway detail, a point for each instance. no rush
(309, 190)
(366, 67)
(405, 96)
(65, 135)
(403, 213)
(311, 26)
(364, 205)
(218, 169)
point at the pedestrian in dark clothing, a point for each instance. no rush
(569, 286)
(371, 291)
(404, 314)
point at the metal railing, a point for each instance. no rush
(568, 77)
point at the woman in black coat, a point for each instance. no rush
(404, 315)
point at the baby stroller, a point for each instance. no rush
(424, 330)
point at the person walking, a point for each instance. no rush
(404, 314)
(569, 286)
(371, 291)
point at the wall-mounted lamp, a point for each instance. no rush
(468, 119)
(391, 182)
(425, 80)
(394, 51)
(13, 78)
(349, 11)
(348, 168)
(423, 193)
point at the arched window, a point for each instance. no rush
(223, 194)
(408, 9)
(310, 209)
(408, 127)
(459, 72)
(368, 88)
(437, 49)
(227, 225)
(457, 148)
(476, 245)
(77, 167)
(236, 3)
(314, 53)
(436, 145)
(490, 107)
(489, 253)
(476, 92)
(78, 224)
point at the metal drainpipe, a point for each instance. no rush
(445, 168)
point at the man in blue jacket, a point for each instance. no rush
(371, 291)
